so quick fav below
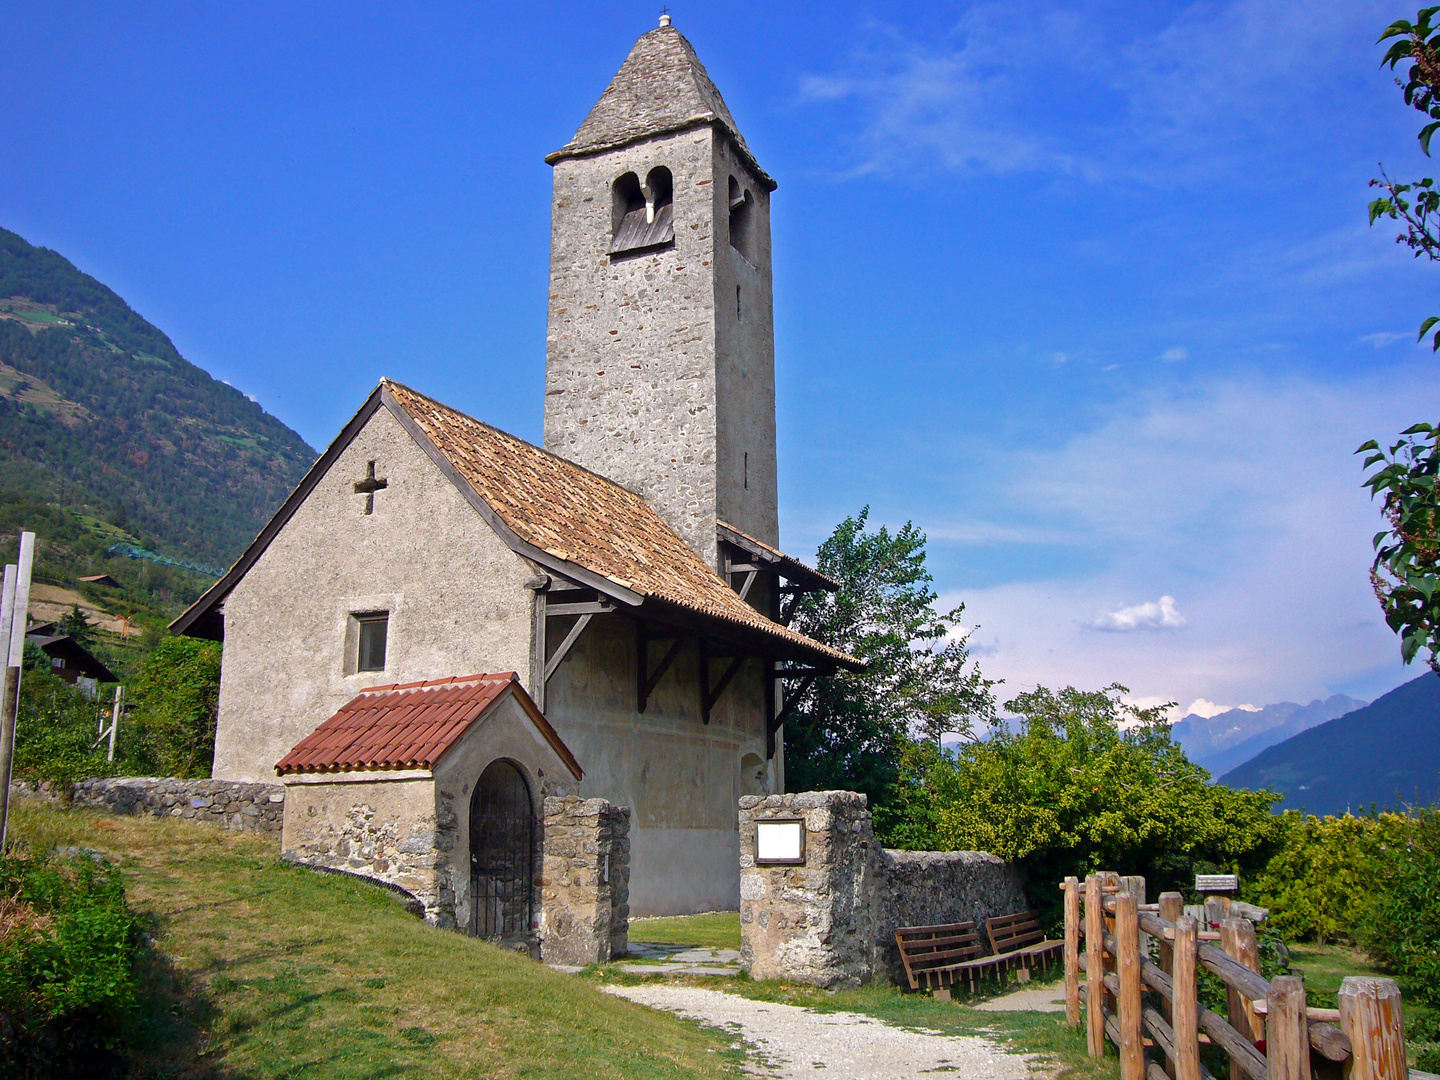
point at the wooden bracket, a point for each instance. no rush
(592, 607)
(645, 679)
(708, 695)
(790, 699)
(569, 642)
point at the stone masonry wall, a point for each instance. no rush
(585, 885)
(240, 807)
(831, 921)
(812, 923)
(923, 888)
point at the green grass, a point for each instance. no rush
(1323, 966)
(261, 969)
(714, 929)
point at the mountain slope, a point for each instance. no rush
(1223, 741)
(1388, 751)
(100, 413)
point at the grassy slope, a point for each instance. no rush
(266, 970)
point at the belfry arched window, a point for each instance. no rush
(742, 226)
(642, 212)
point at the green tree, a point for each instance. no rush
(1404, 570)
(76, 625)
(852, 730)
(1082, 781)
(175, 700)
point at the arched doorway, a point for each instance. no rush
(502, 853)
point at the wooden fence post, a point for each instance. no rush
(1094, 968)
(1072, 952)
(1370, 1015)
(1287, 1030)
(1172, 906)
(1237, 939)
(1127, 944)
(1185, 1015)
(1111, 881)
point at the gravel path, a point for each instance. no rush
(795, 1042)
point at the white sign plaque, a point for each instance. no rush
(1217, 882)
(780, 842)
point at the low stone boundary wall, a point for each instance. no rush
(830, 918)
(257, 808)
(585, 883)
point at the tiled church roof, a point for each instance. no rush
(581, 517)
(661, 87)
(410, 726)
(554, 512)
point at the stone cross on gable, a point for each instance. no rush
(369, 486)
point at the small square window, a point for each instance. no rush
(373, 631)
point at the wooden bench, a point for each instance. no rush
(936, 957)
(1021, 937)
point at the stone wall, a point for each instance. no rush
(923, 888)
(255, 808)
(831, 921)
(813, 923)
(585, 884)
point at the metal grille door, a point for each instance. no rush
(502, 852)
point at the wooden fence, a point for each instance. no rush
(1269, 1032)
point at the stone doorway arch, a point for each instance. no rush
(502, 853)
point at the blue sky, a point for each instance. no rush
(1085, 290)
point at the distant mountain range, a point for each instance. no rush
(1387, 752)
(1220, 742)
(100, 415)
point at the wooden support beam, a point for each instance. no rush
(588, 607)
(1370, 1014)
(750, 576)
(1237, 938)
(567, 644)
(646, 679)
(709, 695)
(1287, 1036)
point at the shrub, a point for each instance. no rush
(1086, 782)
(55, 729)
(176, 699)
(1319, 886)
(1400, 928)
(68, 945)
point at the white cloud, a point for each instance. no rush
(1152, 615)
(1181, 94)
(1385, 337)
(1178, 353)
(1207, 709)
(1242, 496)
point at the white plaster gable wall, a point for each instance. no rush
(650, 379)
(681, 777)
(454, 590)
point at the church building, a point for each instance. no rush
(444, 623)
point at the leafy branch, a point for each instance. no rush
(1407, 554)
(1420, 42)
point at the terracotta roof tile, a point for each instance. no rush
(409, 726)
(581, 517)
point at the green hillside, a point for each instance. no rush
(99, 414)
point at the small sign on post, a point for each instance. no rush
(1217, 883)
(14, 608)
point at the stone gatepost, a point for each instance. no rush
(807, 915)
(585, 883)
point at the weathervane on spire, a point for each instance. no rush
(665, 15)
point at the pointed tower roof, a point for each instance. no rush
(661, 87)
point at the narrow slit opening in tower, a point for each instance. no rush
(642, 214)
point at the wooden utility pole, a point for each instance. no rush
(15, 602)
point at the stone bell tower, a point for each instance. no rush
(660, 349)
